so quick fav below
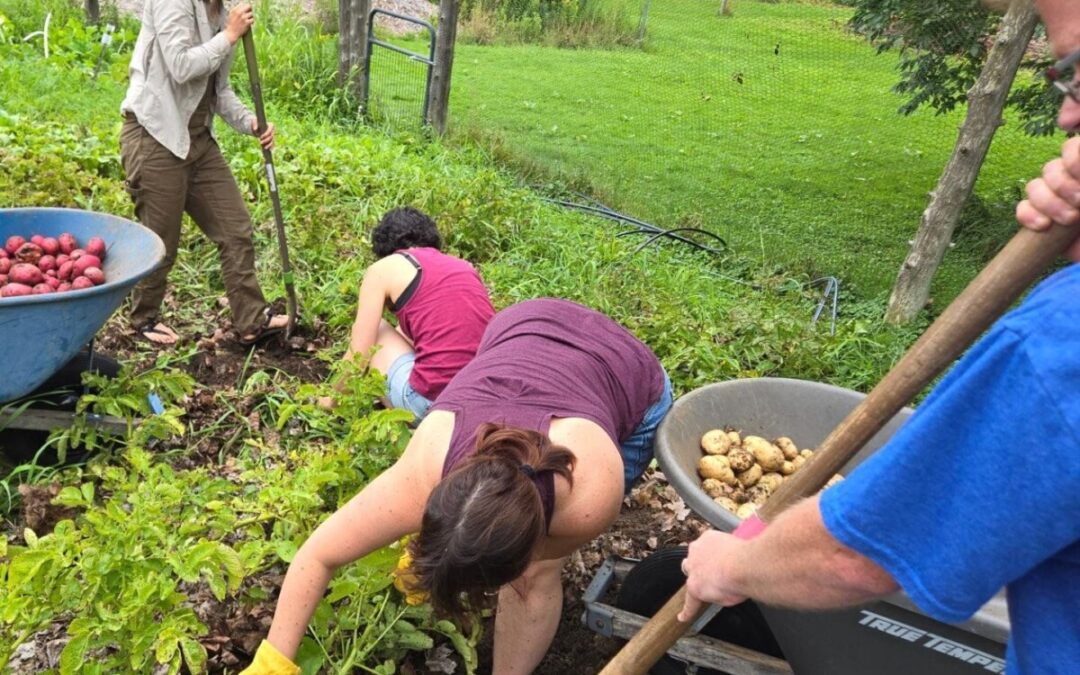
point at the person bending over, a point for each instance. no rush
(441, 306)
(179, 79)
(525, 457)
(1006, 418)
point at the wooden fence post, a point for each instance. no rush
(344, 39)
(93, 12)
(360, 10)
(444, 64)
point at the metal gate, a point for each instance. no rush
(398, 79)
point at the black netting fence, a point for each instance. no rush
(775, 125)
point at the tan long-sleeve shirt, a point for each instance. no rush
(177, 51)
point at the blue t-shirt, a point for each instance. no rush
(981, 488)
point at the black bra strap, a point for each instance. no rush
(410, 290)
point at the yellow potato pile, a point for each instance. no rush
(740, 473)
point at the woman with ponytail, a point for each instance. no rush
(525, 456)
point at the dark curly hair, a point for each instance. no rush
(484, 521)
(404, 227)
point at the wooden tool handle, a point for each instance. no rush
(981, 303)
(271, 178)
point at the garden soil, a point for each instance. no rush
(653, 516)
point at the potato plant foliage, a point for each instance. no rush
(152, 527)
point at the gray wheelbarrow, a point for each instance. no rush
(890, 637)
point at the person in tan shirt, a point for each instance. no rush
(179, 78)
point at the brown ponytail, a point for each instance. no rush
(484, 521)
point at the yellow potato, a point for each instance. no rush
(736, 439)
(715, 488)
(740, 460)
(787, 468)
(716, 442)
(727, 503)
(746, 510)
(716, 466)
(798, 462)
(807, 454)
(834, 480)
(739, 495)
(750, 477)
(758, 494)
(790, 450)
(771, 481)
(765, 453)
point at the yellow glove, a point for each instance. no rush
(404, 579)
(269, 661)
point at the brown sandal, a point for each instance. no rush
(265, 331)
(157, 328)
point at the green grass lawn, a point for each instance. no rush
(774, 128)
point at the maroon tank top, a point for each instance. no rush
(551, 358)
(445, 318)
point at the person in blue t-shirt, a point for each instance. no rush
(979, 490)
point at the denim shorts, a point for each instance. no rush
(400, 392)
(637, 451)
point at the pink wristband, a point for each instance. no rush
(750, 528)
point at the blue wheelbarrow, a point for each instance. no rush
(39, 334)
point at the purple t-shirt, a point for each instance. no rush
(551, 358)
(445, 318)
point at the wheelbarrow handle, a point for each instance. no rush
(999, 284)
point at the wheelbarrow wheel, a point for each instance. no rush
(650, 584)
(60, 392)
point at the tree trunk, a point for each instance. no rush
(93, 12)
(444, 64)
(986, 101)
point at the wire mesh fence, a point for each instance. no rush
(775, 126)
(399, 72)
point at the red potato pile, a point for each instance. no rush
(44, 265)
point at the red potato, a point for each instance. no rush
(67, 243)
(84, 263)
(3, 279)
(47, 263)
(15, 290)
(64, 287)
(81, 283)
(50, 245)
(50, 274)
(25, 273)
(53, 282)
(64, 271)
(3, 254)
(5, 265)
(62, 258)
(37, 239)
(96, 246)
(77, 253)
(13, 243)
(95, 274)
(41, 289)
(29, 253)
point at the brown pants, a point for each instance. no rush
(163, 187)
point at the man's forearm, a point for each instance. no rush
(795, 562)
